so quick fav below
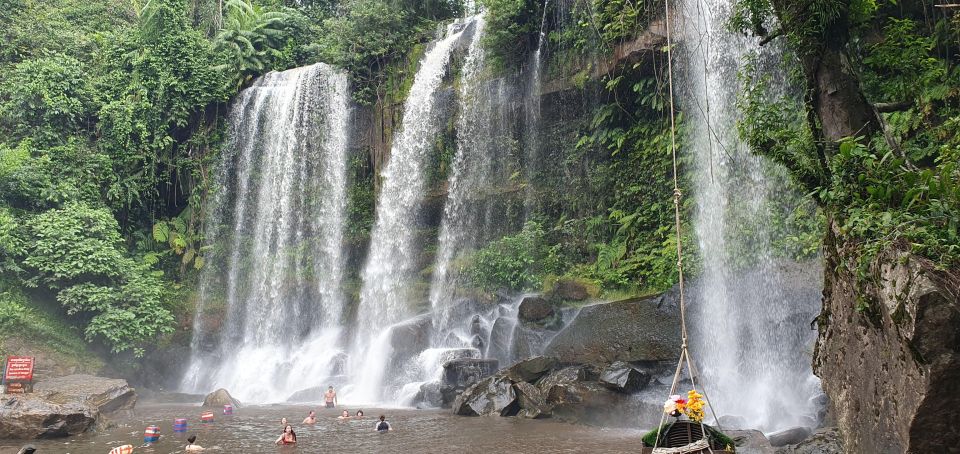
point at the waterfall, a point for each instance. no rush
(752, 338)
(469, 175)
(275, 233)
(531, 113)
(390, 270)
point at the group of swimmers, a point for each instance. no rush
(289, 437)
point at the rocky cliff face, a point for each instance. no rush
(889, 352)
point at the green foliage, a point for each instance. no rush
(72, 243)
(157, 82)
(361, 202)
(364, 38)
(630, 143)
(511, 29)
(881, 192)
(47, 98)
(518, 262)
(34, 28)
(78, 252)
(180, 235)
(251, 37)
(887, 202)
(618, 20)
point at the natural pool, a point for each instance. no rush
(253, 429)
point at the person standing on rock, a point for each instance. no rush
(330, 397)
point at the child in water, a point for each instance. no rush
(359, 414)
(345, 415)
(288, 437)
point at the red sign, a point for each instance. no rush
(16, 388)
(19, 368)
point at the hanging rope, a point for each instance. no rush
(677, 196)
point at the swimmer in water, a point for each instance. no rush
(288, 437)
(382, 425)
(345, 415)
(359, 414)
(283, 422)
(191, 446)
(311, 418)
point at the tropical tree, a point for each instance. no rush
(251, 37)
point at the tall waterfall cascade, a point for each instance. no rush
(751, 339)
(391, 264)
(276, 227)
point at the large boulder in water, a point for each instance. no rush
(633, 330)
(623, 377)
(531, 370)
(824, 441)
(790, 436)
(491, 396)
(63, 406)
(531, 401)
(219, 398)
(460, 374)
(749, 441)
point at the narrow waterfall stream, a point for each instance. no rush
(752, 340)
(277, 232)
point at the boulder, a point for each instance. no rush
(407, 339)
(531, 370)
(589, 403)
(789, 436)
(531, 401)
(528, 341)
(501, 340)
(632, 330)
(750, 441)
(534, 309)
(460, 374)
(622, 377)
(103, 394)
(491, 396)
(31, 416)
(63, 406)
(888, 351)
(824, 441)
(464, 372)
(565, 376)
(219, 398)
(430, 396)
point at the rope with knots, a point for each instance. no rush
(677, 195)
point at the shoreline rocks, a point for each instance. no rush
(63, 406)
(543, 387)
